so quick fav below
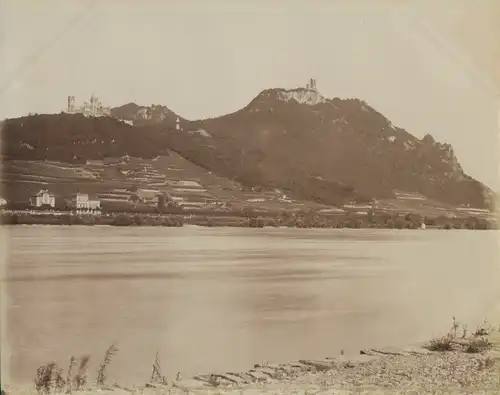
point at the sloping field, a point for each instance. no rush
(21, 179)
(175, 176)
(423, 206)
(15, 168)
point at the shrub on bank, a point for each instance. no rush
(478, 345)
(29, 219)
(173, 221)
(256, 223)
(142, 220)
(271, 222)
(9, 219)
(86, 220)
(123, 220)
(442, 344)
(138, 220)
(89, 220)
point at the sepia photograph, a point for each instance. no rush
(249, 197)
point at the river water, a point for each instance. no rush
(217, 299)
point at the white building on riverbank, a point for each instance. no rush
(83, 204)
(43, 198)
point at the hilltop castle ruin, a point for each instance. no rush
(311, 85)
(92, 108)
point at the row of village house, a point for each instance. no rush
(81, 202)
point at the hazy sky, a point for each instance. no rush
(431, 66)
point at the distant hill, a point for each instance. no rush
(75, 138)
(329, 151)
(323, 148)
(143, 115)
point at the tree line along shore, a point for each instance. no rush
(249, 219)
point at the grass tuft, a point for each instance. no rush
(59, 382)
(483, 330)
(444, 343)
(478, 345)
(101, 373)
(81, 375)
(156, 376)
(69, 379)
(455, 327)
(44, 379)
(49, 377)
(465, 331)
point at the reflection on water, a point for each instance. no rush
(222, 299)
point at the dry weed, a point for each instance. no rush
(101, 373)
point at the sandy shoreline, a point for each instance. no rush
(405, 369)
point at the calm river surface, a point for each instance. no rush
(222, 299)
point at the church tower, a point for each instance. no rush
(71, 104)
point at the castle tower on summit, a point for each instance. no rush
(71, 104)
(311, 85)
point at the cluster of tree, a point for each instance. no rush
(143, 220)
(162, 207)
(286, 219)
(89, 220)
(310, 219)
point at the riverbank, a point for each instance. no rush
(458, 362)
(296, 221)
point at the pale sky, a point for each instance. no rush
(430, 66)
